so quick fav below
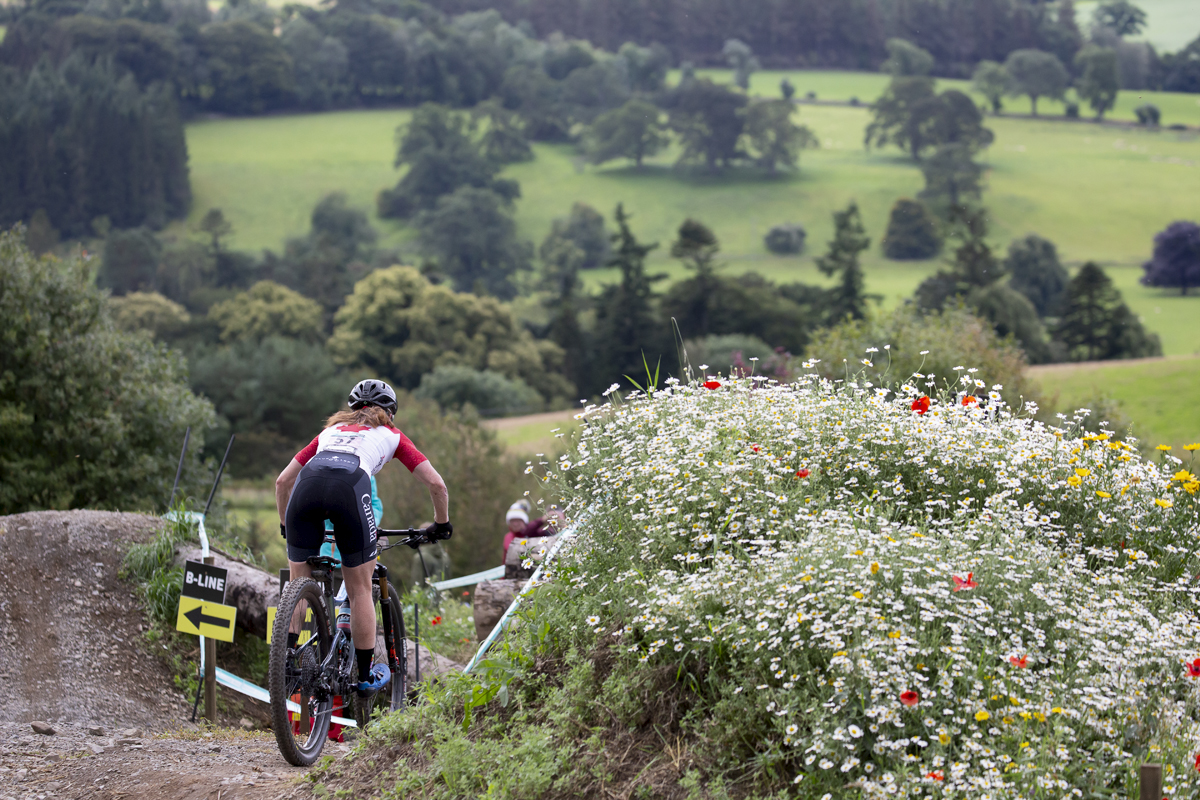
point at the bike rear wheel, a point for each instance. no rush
(294, 675)
(395, 695)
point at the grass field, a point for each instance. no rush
(1098, 192)
(1159, 395)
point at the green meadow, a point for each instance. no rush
(1099, 192)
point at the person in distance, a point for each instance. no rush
(331, 479)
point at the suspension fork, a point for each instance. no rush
(385, 611)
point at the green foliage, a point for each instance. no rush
(720, 351)
(130, 262)
(149, 311)
(439, 148)
(774, 139)
(894, 110)
(1096, 324)
(320, 64)
(992, 80)
(91, 417)
(706, 118)
(632, 131)
(83, 140)
(491, 393)
(1148, 115)
(1035, 271)
(584, 229)
(1036, 73)
(397, 325)
(848, 299)
(952, 178)
(249, 70)
(503, 140)
(912, 232)
(786, 89)
(746, 304)
(906, 59)
(1119, 16)
(268, 309)
(912, 117)
(473, 239)
(741, 60)
(1099, 78)
(1011, 314)
(786, 239)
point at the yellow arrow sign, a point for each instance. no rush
(201, 618)
(305, 635)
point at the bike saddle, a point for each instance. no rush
(326, 562)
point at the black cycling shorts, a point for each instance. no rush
(332, 486)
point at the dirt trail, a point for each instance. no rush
(72, 655)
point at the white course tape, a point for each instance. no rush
(470, 580)
(231, 681)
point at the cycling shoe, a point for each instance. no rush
(381, 676)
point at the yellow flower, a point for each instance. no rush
(982, 716)
(839, 653)
(943, 738)
(1191, 486)
(1163, 447)
(874, 567)
(1008, 720)
(1074, 480)
(1158, 501)
(1183, 475)
(1192, 446)
(1024, 715)
(857, 595)
(1105, 495)
(1056, 710)
(1023, 745)
(894, 635)
(1082, 472)
(1039, 716)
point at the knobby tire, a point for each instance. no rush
(303, 749)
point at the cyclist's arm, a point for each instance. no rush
(438, 493)
(283, 487)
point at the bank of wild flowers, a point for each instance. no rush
(888, 593)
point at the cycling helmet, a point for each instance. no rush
(372, 393)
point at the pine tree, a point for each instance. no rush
(1096, 323)
(847, 299)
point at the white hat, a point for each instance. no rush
(516, 512)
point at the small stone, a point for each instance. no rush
(214, 748)
(20, 774)
(96, 749)
(52, 786)
(128, 740)
(53, 757)
(132, 733)
(44, 728)
(245, 724)
(95, 730)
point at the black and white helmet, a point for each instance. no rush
(373, 393)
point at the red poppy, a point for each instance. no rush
(1198, 761)
(960, 584)
(466, 594)
(802, 473)
(936, 775)
(1194, 669)
(435, 621)
(921, 404)
(909, 698)
(1019, 663)
(712, 385)
(968, 399)
(755, 448)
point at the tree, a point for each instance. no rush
(774, 139)
(786, 238)
(911, 232)
(892, 113)
(632, 131)
(1036, 73)
(1096, 324)
(503, 140)
(249, 70)
(906, 59)
(91, 417)
(148, 311)
(320, 64)
(1099, 77)
(489, 392)
(1176, 260)
(473, 238)
(992, 81)
(741, 60)
(1119, 16)
(268, 309)
(786, 89)
(849, 239)
(438, 146)
(1035, 271)
(744, 306)
(216, 227)
(705, 116)
(561, 261)
(952, 178)
(398, 325)
(646, 66)
(584, 229)
(130, 262)
(697, 247)
(1182, 70)
(627, 328)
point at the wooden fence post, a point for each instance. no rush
(1150, 782)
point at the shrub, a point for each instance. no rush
(491, 393)
(1071, 110)
(1148, 114)
(912, 232)
(719, 351)
(785, 239)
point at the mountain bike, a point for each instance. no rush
(305, 681)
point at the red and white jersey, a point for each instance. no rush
(373, 446)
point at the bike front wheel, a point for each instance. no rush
(395, 695)
(301, 703)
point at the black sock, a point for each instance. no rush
(364, 662)
(293, 638)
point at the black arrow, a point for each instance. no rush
(197, 617)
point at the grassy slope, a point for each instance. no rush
(1158, 395)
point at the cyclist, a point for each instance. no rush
(330, 480)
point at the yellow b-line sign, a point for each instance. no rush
(305, 635)
(202, 618)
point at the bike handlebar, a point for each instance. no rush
(413, 537)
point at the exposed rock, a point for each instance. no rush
(492, 599)
(95, 730)
(44, 728)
